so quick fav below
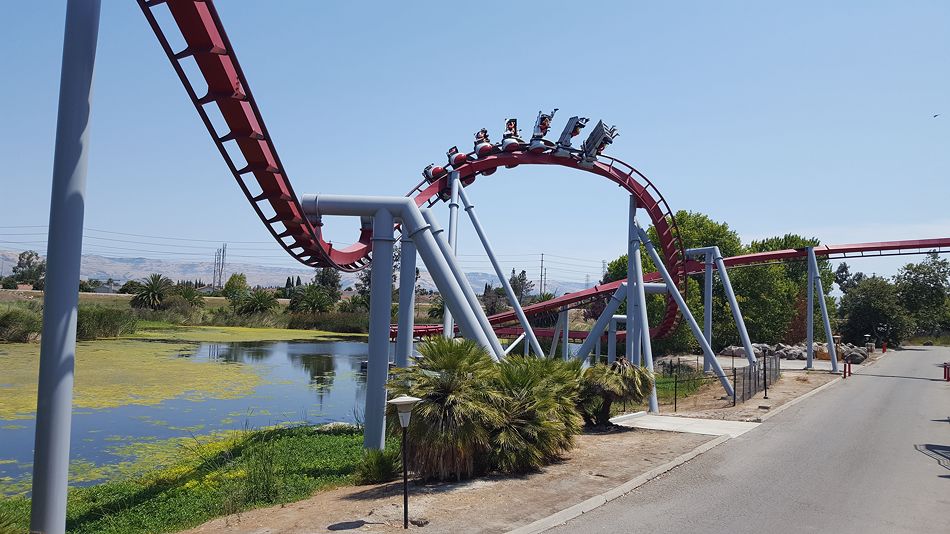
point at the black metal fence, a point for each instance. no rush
(681, 379)
(747, 381)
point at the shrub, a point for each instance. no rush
(379, 466)
(20, 325)
(453, 421)
(602, 385)
(94, 322)
(350, 323)
(537, 401)
(257, 301)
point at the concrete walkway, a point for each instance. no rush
(692, 425)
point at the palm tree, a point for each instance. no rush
(311, 298)
(258, 300)
(191, 295)
(152, 291)
(602, 385)
(451, 429)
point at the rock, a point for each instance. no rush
(928, 343)
(782, 353)
(855, 357)
(732, 350)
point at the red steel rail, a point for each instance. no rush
(263, 179)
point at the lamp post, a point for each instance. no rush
(404, 405)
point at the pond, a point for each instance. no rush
(300, 381)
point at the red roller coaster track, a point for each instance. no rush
(271, 195)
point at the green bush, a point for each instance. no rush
(477, 416)
(96, 322)
(348, 323)
(20, 325)
(379, 466)
(602, 385)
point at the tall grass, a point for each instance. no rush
(96, 322)
(20, 324)
(347, 323)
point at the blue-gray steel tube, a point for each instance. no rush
(454, 188)
(64, 251)
(380, 312)
(810, 315)
(643, 330)
(476, 306)
(687, 315)
(602, 322)
(832, 352)
(512, 298)
(634, 341)
(407, 299)
(734, 306)
(707, 305)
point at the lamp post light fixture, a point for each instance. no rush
(404, 405)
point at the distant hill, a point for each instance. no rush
(122, 269)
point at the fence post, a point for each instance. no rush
(733, 387)
(765, 376)
(675, 387)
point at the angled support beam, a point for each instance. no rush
(512, 298)
(816, 276)
(684, 309)
(447, 323)
(604, 321)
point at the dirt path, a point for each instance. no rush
(493, 504)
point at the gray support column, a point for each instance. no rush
(612, 341)
(687, 315)
(810, 314)
(603, 321)
(512, 298)
(407, 299)
(555, 337)
(734, 306)
(633, 247)
(707, 306)
(643, 330)
(566, 332)
(447, 324)
(380, 311)
(832, 352)
(470, 296)
(64, 249)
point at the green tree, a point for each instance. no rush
(235, 289)
(29, 268)
(131, 287)
(152, 291)
(494, 300)
(329, 279)
(845, 279)
(873, 302)
(923, 289)
(436, 309)
(311, 298)
(521, 285)
(257, 300)
(191, 295)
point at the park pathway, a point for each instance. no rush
(871, 454)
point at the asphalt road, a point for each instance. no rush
(844, 460)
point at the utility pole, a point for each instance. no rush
(542, 274)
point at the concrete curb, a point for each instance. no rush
(626, 417)
(559, 518)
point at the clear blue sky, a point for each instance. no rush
(806, 117)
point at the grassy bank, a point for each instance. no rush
(229, 474)
(940, 341)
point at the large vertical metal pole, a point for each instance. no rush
(641, 300)
(832, 352)
(380, 312)
(684, 309)
(64, 250)
(734, 306)
(475, 306)
(407, 299)
(810, 315)
(634, 343)
(708, 306)
(512, 298)
(447, 324)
